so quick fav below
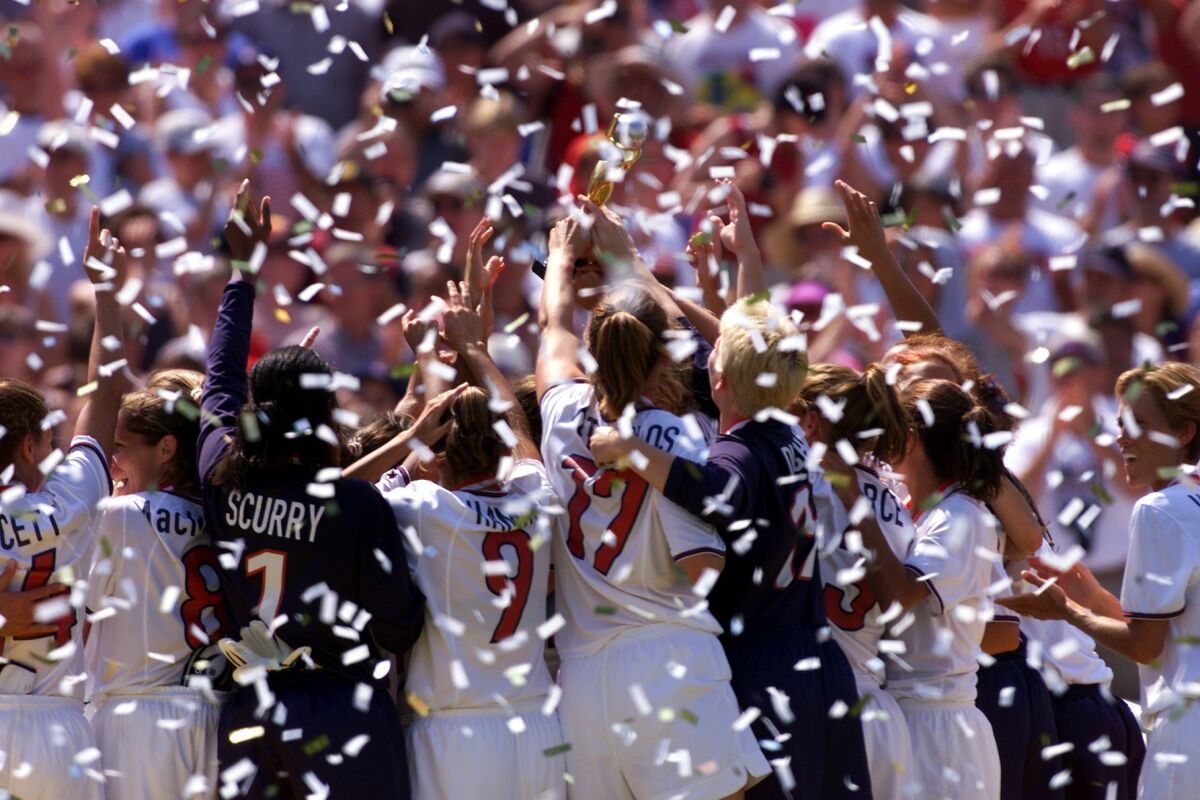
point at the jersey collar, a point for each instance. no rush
(944, 491)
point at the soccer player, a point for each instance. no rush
(315, 557)
(1156, 622)
(479, 546)
(769, 507)
(839, 405)
(647, 705)
(48, 501)
(156, 603)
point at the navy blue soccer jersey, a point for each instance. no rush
(329, 557)
(769, 508)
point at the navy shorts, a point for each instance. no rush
(320, 706)
(1085, 715)
(827, 757)
(1022, 727)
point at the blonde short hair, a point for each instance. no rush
(761, 356)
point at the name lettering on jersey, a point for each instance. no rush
(23, 531)
(166, 521)
(1195, 498)
(489, 516)
(884, 503)
(795, 454)
(274, 516)
(657, 435)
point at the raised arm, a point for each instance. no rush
(225, 386)
(867, 234)
(465, 333)
(105, 261)
(613, 246)
(738, 239)
(426, 431)
(558, 360)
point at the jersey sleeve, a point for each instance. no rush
(941, 553)
(74, 491)
(395, 478)
(225, 385)
(1162, 564)
(720, 491)
(561, 403)
(385, 579)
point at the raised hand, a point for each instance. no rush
(430, 427)
(248, 226)
(866, 227)
(416, 331)
(104, 259)
(609, 234)
(569, 238)
(487, 313)
(736, 235)
(461, 325)
(475, 277)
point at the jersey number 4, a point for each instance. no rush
(632, 489)
(515, 587)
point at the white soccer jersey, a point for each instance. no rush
(49, 534)
(1162, 581)
(850, 603)
(481, 556)
(1067, 655)
(615, 566)
(957, 546)
(154, 593)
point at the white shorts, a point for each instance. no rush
(889, 748)
(651, 717)
(954, 751)
(1171, 770)
(40, 739)
(493, 754)
(158, 744)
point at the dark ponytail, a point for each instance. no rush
(288, 421)
(953, 439)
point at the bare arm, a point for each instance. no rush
(105, 261)
(708, 325)
(464, 332)
(738, 239)
(1023, 530)
(427, 430)
(558, 360)
(1139, 639)
(867, 234)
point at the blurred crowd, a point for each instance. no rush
(1036, 163)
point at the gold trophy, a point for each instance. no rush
(628, 132)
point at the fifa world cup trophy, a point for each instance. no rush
(628, 133)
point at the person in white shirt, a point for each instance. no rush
(639, 644)
(48, 501)
(839, 404)
(157, 610)
(940, 587)
(1156, 621)
(479, 546)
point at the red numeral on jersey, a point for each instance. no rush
(853, 619)
(41, 567)
(520, 582)
(633, 493)
(272, 565)
(203, 587)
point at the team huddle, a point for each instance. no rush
(678, 561)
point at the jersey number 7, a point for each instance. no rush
(632, 490)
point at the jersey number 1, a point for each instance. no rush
(272, 565)
(633, 493)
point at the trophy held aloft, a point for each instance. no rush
(628, 133)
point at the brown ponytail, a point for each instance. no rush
(472, 447)
(950, 441)
(625, 336)
(870, 404)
